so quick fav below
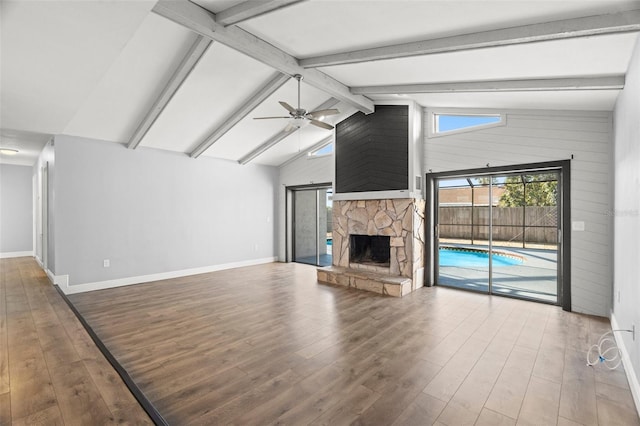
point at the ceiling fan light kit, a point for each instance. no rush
(300, 115)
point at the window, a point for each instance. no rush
(445, 123)
(325, 150)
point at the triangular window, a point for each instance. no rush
(325, 150)
(453, 123)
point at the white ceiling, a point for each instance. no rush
(95, 68)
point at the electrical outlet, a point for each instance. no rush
(106, 263)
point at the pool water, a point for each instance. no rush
(474, 259)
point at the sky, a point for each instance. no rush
(454, 122)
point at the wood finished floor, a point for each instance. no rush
(269, 345)
(51, 372)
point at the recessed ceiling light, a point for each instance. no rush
(8, 151)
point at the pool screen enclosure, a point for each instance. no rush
(499, 231)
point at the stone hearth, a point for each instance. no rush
(400, 219)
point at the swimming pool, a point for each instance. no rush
(475, 258)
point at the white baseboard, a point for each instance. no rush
(628, 366)
(13, 254)
(101, 285)
(61, 281)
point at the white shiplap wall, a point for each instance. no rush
(529, 136)
(307, 170)
(539, 136)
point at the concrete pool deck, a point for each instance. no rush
(535, 278)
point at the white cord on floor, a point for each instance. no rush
(605, 351)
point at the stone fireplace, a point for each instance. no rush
(373, 227)
(378, 210)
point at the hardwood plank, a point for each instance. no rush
(533, 331)
(451, 376)
(5, 408)
(578, 394)
(424, 409)
(205, 394)
(257, 396)
(508, 393)
(45, 375)
(550, 361)
(397, 398)
(469, 400)
(540, 405)
(566, 422)
(79, 400)
(615, 406)
(491, 418)
(120, 402)
(331, 387)
(57, 347)
(4, 357)
(349, 408)
(31, 388)
(4, 343)
(615, 377)
(48, 416)
(398, 362)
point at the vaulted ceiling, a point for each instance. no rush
(191, 76)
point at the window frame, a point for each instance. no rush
(432, 120)
(311, 154)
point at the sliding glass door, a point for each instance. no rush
(312, 226)
(525, 231)
(498, 233)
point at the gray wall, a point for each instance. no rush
(16, 209)
(626, 214)
(538, 136)
(151, 211)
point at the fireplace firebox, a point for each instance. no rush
(370, 250)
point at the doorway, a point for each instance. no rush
(500, 231)
(312, 225)
(44, 217)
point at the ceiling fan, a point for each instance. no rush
(300, 115)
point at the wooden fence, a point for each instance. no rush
(512, 224)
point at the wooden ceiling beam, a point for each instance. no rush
(204, 23)
(622, 22)
(245, 108)
(615, 82)
(196, 51)
(251, 9)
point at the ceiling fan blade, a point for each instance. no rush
(288, 107)
(268, 118)
(321, 124)
(323, 112)
(290, 127)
